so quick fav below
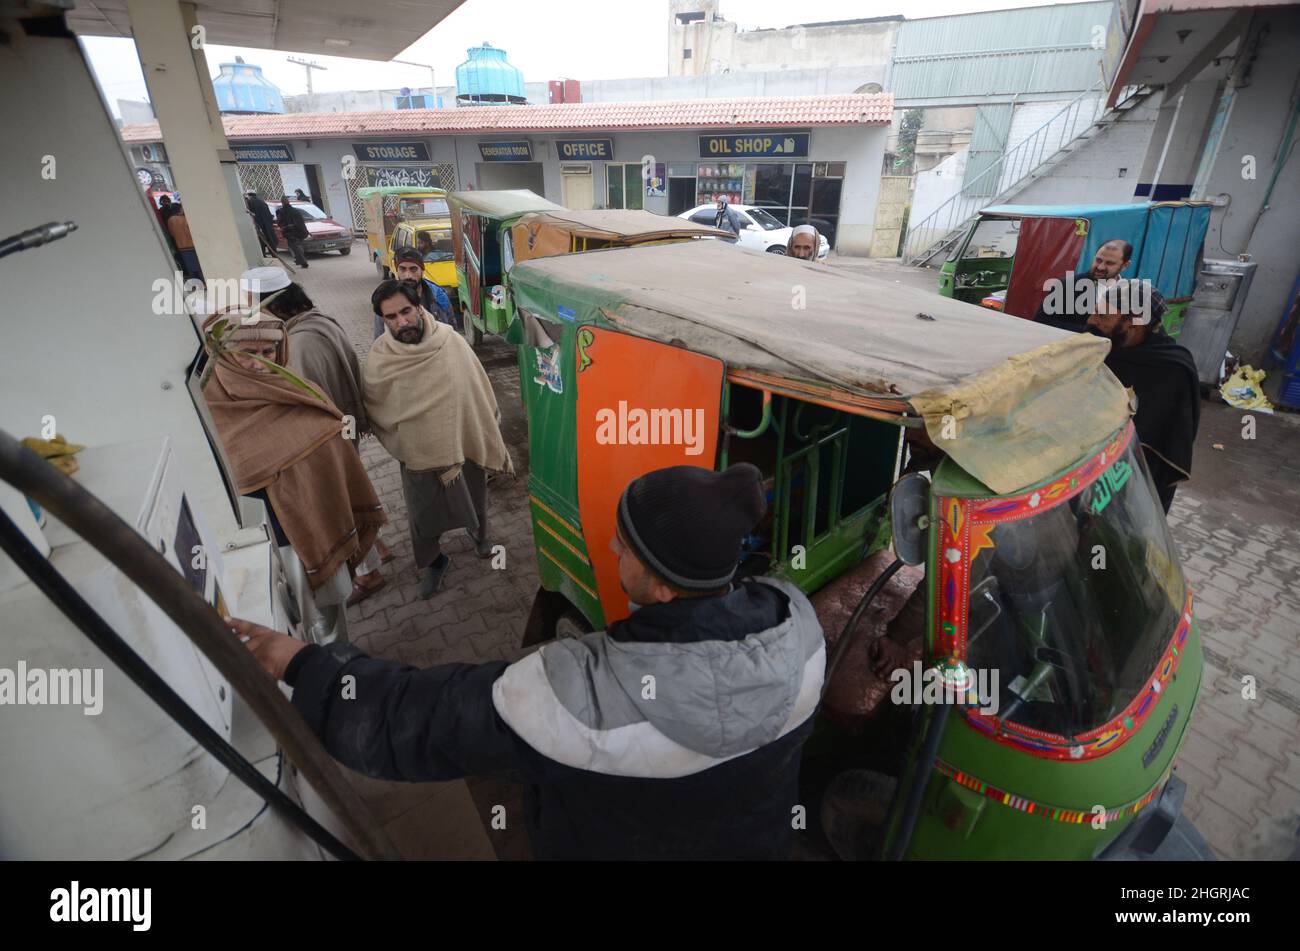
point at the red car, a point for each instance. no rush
(323, 232)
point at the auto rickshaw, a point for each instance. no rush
(499, 227)
(1011, 250)
(1047, 562)
(400, 216)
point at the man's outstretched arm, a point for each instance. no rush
(390, 720)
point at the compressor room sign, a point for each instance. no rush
(755, 145)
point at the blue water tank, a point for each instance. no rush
(486, 79)
(242, 89)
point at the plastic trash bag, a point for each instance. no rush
(1245, 390)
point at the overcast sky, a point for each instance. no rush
(578, 39)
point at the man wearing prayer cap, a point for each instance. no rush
(804, 243)
(319, 351)
(704, 766)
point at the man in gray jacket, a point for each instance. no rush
(676, 733)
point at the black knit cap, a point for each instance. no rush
(686, 523)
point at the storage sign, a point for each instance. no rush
(577, 149)
(506, 151)
(391, 151)
(755, 144)
(262, 153)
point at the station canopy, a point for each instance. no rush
(379, 29)
(1025, 400)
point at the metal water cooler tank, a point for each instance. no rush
(1209, 321)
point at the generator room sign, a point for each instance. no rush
(520, 151)
(755, 145)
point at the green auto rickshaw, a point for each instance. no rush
(1010, 251)
(500, 229)
(894, 429)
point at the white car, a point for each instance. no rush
(761, 232)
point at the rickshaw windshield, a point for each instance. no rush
(1074, 605)
(993, 238)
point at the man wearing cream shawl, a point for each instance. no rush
(285, 442)
(431, 405)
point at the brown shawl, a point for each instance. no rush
(431, 404)
(283, 439)
(320, 351)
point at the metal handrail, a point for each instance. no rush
(927, 235)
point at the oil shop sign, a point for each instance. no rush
(391, 151)
(755, 145)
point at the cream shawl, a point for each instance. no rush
(431, 404)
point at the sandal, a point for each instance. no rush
(361, 591)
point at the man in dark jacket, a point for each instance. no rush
(294, 227)
(263, 219)
(676, 733)
(1160, 372)
(409, 264)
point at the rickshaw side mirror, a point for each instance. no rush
(909, 514)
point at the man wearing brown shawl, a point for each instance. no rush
(284, 440)
(320, 351)
(431, 405)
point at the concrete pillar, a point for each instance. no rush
(204, 167)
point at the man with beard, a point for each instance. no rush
(1160, 372)
(706, 768)
(431, 405)
(804, 243)
(1070, 308)
(410, 271)
(283, 439)
(320, 351)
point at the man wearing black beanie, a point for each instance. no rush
(674, 734)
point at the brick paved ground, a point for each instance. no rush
(1237, 526)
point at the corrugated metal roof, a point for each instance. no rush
(757, 113)
(1004, 52)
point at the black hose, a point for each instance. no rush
(121, 545)
(846, 635)
(35, 237)
(920, 779)
(55, 587)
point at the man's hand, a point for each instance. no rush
(272, 649)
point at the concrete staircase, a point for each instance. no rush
(1054, 142)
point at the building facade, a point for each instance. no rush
(800, 158)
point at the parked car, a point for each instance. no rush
(323, 232)
(762, 232)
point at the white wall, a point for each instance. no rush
(934, 187)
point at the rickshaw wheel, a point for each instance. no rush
(473, 336)
(383, 271)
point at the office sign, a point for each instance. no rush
(580, 149)
(520, 151)
(391, 151)
(269, 152)
(755, 145)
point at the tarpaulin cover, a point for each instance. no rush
(1025, 400)
(1046, 249)
(542, 234)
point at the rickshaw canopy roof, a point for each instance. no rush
(507, 203)
(1026, 400)
(620, 225)
(1166, 237)
(405, 190)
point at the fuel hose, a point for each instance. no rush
(118, 542)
